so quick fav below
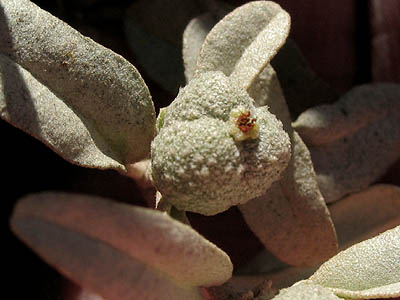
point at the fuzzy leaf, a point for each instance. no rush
(83, 83)
(193, 38)
(291, 219)
(196, 32)
(30, 106)
(357, 217)
(99, 266)
(302, 87)
(292, 215)
(354, 141)
(245, 40)
(366, 270)
(266, 91)
(147, 237)
(363, 215)
(260, 52)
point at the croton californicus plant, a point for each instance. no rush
(227, 139)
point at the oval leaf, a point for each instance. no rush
(291, 219)
(285, 218)
(33, 108)
(354, 141)
(366, 270)
(145, 236)
(266, 91)
(96, 265)
(264, 47)
(239, 43)
(193, 38)
(101, 88)
(363, 215)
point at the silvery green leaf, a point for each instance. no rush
(302, 87)
(193, 38)
(300, 84)
(292, 215)
(196, 31)
(29, 105)
(366, 270)
(266, 91)
(357, 217)
(119, 250)
(99, 267)
(157, 41)
(244, 41)
(355, 140)
(365, 214)
(52, 75)
(291, 218)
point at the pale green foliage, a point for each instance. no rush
(357, 217)
(360, 133)
(369, 269)
(292, 214)
(87, 103)
(124, 241)
(193, 38)
(238, 34)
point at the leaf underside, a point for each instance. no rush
(355, 140)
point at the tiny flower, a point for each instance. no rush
(242, 125)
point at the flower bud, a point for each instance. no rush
(215, 149)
